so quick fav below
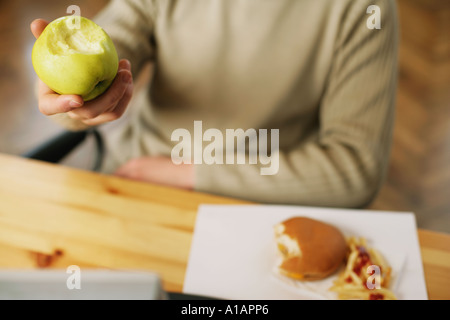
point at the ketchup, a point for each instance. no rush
(376, 296)
(362, 260)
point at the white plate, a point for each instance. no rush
(233, 253)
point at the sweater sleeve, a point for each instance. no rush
(129, 23)
(345, 165)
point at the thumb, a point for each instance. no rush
(37, 26)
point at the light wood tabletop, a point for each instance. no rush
(53, 217)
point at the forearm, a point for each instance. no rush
(332, 174)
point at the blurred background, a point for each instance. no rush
(419, 173)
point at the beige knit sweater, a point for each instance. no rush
(312, 69)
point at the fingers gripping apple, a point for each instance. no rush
(81, 61)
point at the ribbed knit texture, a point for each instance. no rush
(311, 69)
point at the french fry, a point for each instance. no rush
(354, 281)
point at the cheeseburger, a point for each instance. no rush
(310, 249)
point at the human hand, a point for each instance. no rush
(109, 106)
(158, 170)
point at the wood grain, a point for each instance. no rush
(79, 217)
(435, 249)
(53, 217)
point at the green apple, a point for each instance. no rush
(75, 59)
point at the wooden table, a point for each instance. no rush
(53, 217)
